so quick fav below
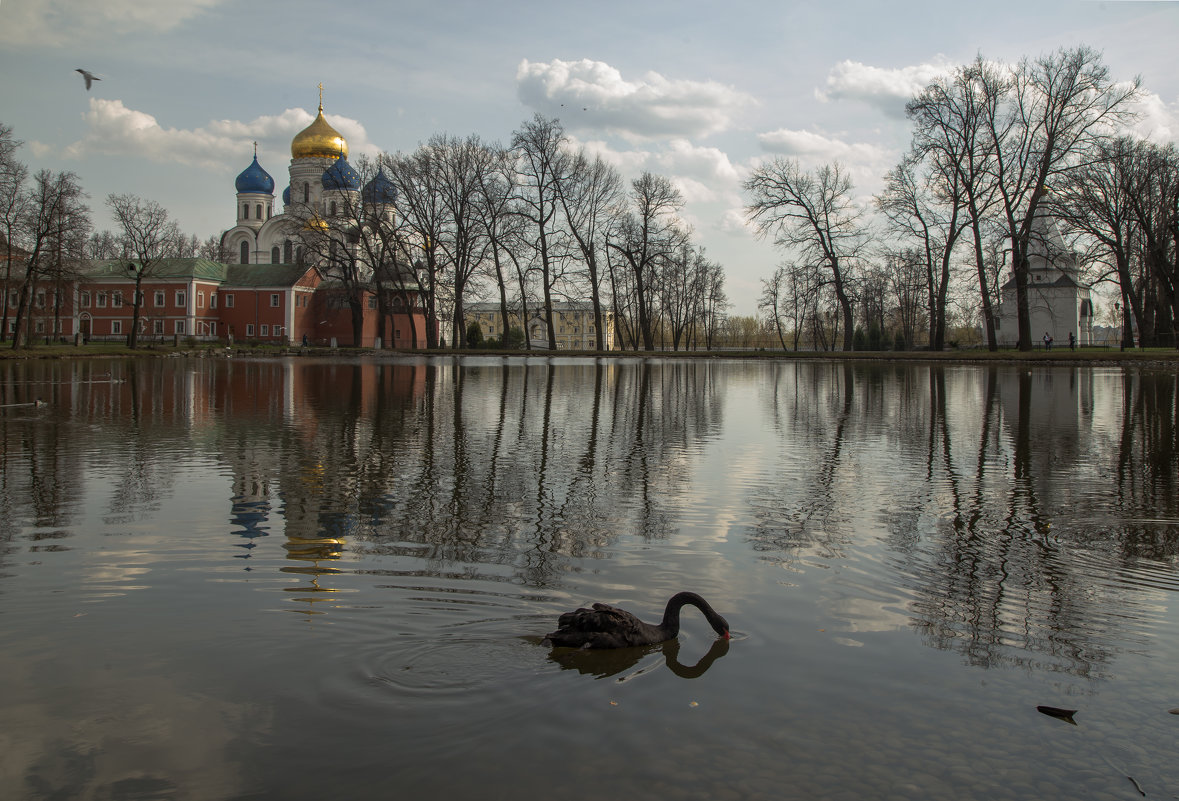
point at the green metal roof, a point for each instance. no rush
(255, 275)
(202, 269)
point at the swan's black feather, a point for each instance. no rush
(605, 626)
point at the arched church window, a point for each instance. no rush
(269, 210)
(245, 252)
(299, 255)
(333, 212)
(306, 192)
(286, 252)
(258, 212)
(245, 211)
(274, 255)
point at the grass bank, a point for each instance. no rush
(1038, 355)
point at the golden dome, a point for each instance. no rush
(319, 140)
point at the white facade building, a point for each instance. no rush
(1058, 303)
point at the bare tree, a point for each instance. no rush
(103, 245)
(55, 213)
(926, 212)
(212, 249)
(1050, 113)
(591, 196)
(463, 170)
(648, 235)
(423, 215)
(149, 239)
(715, 303)
(1096, 203)
(907, 274)
(542, 162)
(811, 213)
(14, 201)
(332, 233)
(1155, 203)
(773, 303)
(495, 207)
(949, 135)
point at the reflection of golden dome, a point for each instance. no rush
(319, 140)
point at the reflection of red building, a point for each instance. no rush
(207, 300)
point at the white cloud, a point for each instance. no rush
(864, 163)
(887, 89)
(735, 220)
(58, 22)
(1157, 120)
(112, 129)
(594, 95)
(812, 147)
(702, 174)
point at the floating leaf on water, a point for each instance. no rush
(693, 703)
(613, 703)
(1174, 711)
(1057, 712)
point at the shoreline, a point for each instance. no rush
(1063, 357)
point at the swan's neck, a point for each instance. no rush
(671, 615)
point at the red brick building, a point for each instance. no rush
(204, 300)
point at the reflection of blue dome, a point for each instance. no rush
(341, 176)
(286, 196)
(380, 189)
(255, 179)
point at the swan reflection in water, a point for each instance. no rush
(610, 662)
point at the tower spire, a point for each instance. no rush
(321, 95)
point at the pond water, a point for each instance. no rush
(305, 579)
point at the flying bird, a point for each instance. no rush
(89, 77)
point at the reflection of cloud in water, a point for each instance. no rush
(860, 614)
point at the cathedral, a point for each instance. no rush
(266, 289)
(321, 182)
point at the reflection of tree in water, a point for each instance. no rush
(983, 502)
(520, 468)
(448, 468)
(1147, 468)
(811, 407)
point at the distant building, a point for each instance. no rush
(321, 184)
(207, 300)
(270, 291)
(1059, 304)
(573, 321)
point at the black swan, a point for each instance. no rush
(606, 626)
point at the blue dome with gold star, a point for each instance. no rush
(254, 179)
(341, 176)
(380, 189)
(286, 195)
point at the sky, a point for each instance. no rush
(698, 92)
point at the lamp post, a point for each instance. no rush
(133, 272)
(1121, 325)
